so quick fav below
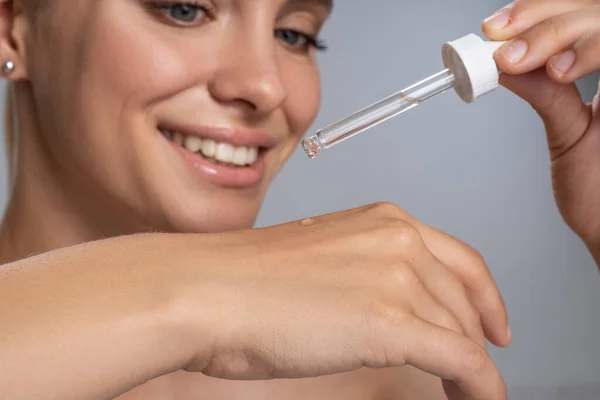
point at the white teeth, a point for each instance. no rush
(193, 143)
(240, 156)
(223, 152)
(209, 148)
(252, 155)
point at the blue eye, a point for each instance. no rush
(183, 12)
(298, 39)
(292, 38)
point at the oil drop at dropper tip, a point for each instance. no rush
(311, 146)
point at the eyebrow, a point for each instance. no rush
(327, 4)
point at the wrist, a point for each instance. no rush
(190, 305)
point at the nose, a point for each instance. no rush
(249, 76)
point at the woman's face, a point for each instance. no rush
(181, 112)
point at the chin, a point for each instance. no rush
(220, 213)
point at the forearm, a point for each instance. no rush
(89, 322)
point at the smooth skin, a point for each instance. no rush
(161, 315)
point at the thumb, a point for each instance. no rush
(565, 115)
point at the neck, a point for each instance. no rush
(46, 210)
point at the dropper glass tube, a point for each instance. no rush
(378, 113)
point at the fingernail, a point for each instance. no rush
(515, 51)
(563, 62)
(500, 19)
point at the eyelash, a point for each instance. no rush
(165, 6)
(311, 40)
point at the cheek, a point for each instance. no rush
(304, 97)
(101, 102)
(149, 64)
(146, 63)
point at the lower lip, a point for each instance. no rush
(222, 175)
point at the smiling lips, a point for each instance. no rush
(227, 157)
(225, 153)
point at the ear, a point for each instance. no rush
(13, 23)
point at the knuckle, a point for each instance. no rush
(474, 358)
(477, 264)
(385, 208)
(556, 28)
(401, 276)
(403, 235)
(389, 210)
(476, 256)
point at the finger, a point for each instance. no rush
(581, 60)
(565, 115)
(465, 263)
(521, 15)
(535, 47)
(453, 357)
(448, 290)
(428, 308)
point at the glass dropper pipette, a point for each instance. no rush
(378, 113)
(470, 70)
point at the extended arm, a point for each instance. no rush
(89, 322)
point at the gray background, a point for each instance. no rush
(479, 172)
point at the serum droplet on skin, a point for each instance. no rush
(308, 222)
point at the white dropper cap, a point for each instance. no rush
(471, 60)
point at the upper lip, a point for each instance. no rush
(235, 136)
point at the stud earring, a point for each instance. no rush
(8, 67)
